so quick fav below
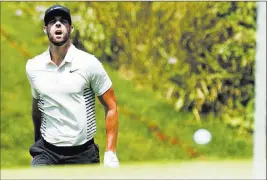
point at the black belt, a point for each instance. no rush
(68, 150)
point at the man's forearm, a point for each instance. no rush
(36, 118)
(111, 129)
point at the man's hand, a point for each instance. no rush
(111, 160)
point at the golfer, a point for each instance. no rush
(64, 82)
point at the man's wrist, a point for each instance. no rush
(110, 149)
(110, 152)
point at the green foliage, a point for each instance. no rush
(221, 56)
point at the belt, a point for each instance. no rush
(68, 150)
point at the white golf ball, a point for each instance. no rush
(202, 136)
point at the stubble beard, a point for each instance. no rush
(59, 43)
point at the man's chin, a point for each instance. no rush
(59, 43)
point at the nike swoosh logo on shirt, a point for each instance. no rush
(71, 71)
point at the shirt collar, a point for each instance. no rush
(68, 58)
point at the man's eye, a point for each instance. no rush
(52, 21)
(64, 21)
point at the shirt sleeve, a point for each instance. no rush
(99, 80)
(30, 77)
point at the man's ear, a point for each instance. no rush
(45, 29)
(72, 28)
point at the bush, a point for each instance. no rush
(221, 56)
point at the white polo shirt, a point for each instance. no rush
(67, 95)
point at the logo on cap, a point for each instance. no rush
(55, 8)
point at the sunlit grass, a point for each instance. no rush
(171, 170)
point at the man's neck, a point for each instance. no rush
(58, 53)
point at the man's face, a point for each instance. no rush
(58, 30)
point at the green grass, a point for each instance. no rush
(171, 170)
(138, 109)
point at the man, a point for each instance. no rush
(64, 83)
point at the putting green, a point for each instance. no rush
(184, 170)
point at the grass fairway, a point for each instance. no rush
(183, 170)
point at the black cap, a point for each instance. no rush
(57, 10)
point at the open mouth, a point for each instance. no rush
(58, 32)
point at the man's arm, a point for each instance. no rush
(36, 118)
(108, 100)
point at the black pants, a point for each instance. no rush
(44, 153)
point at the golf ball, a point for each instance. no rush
(202, 136)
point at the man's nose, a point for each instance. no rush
(58, 24)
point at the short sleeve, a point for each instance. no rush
(30, 77)
(99, 80)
